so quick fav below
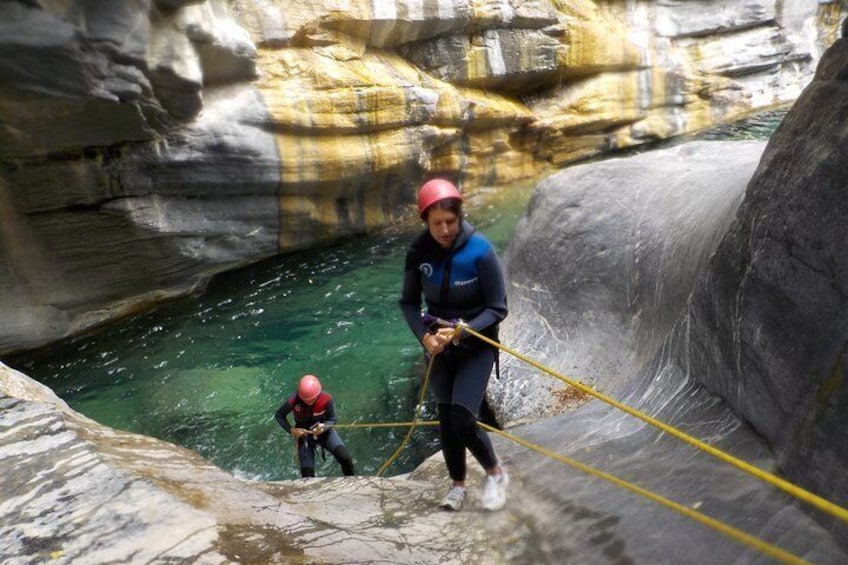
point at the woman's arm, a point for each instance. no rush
(410, 301)
(281, 416)
(493, 289)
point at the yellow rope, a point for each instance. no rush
(722, 527)
(718, 525)
(786, 486)
(415, 417)
(388, 424)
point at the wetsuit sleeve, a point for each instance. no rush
(493, 287)
(410, 297)
(330, 413)
(281, 416)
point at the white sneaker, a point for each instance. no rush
(494, 491)
(453, 499)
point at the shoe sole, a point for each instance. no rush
(493, 507)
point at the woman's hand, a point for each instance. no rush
(436, 343)
(299, 432)
(447, 335)
(432, 344)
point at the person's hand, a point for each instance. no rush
(317, 429)
(299, 432)
(433, 344)
(446, 336)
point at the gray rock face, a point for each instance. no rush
(600, 283)
(515, 60)
(706, 17)
(107, 205)
(602, 264)
(89, 239)
(768, 324)
(96, 84)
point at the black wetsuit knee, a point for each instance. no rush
(475, 439)
(345, 460)
(464, 423)
(445, 412)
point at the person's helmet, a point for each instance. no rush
(308, 388)
(434, 190)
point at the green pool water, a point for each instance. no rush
(208, 372)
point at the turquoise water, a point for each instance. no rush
(757, 127)
(208, 372)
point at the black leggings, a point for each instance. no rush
(459, 377)
(331, 441)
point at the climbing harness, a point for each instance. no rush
(458, 325)
(317, 429)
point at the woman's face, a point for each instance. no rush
(443, 226)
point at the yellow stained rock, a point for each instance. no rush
(310, 159)
(304, 90)
(343, 120)
(488, 158)
(596, 39)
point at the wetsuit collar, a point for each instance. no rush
(465, 231)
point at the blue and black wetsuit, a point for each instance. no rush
(464, 282)
(322, 411)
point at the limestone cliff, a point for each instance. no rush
(147, 144)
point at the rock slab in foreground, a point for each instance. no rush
(74, 491)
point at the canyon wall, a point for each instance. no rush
(146, 145)
(719, 309)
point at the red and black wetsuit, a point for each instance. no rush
(322, 411)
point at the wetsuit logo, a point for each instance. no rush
(427, 269)
(463, 283)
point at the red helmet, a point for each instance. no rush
(434, 190)
(308, 388)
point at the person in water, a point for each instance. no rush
(314, 417)
(460, 277)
